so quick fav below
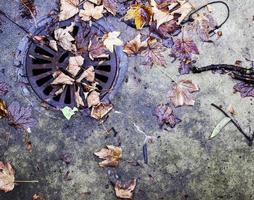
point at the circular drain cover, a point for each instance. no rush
(42, 61)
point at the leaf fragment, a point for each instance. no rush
(93, 99)
(69, 112)
(111, 6)
(101, 110)
(220, 126)
(75, 62)
(4, 88)
(7, 178)
(134, 46)
(61, 78)
(125, 190)
(3, 109)
(88, 74)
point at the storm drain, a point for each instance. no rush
(41, 62)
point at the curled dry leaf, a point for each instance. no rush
(3, 88)
(184, 10)
(88, 74)
(180, 93)
(101, 110)
(68, 8)
(134, 46)
(169, 28)
(125, 190)
(3, 109)
(61, 78)
(78, 99)
(166, 115)
(74, 64)
(97, 49)
(111, 156)
(93, 99)
(20, 117)
(111, 39)
(153, 53)
(53, 45)
(7, 178)
(111, 6)
(91, 12)
(141, 14)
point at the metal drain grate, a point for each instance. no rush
(41, 62)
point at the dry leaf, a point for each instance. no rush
(37, 197)
(184, 10)
(7, 178)
(65, 39)
(140, 13)
(111, 39)
(111, 6)
(97, 2)
(61, 78)
(60, 90)
(68, 8)
(111, 156)
(231, 109)
(101, 110)
(53, 45)
(78, 98)
(3, 109)
(125, 190)
(180, 93)
(93, 99)
(134, 46)
(74, 64)
(88, 74)
(91, 12)
(97, 49)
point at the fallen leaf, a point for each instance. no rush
(101, 110)
(4, 88)
(245, 89)
(141, 14)
(74, 65)
(20, 117)
(231, 109)
(78, 99)
(220, 126)
(91, 12)
(69, 112)
(111, 6)
(3, 109)
(184, 10)
(67, 158)
(68, 8)
(7, 178)
(125, 190)
(93, 99)
(153, 53)
(134, 46)
(88, 74)
(111, 39)
(29, 146)
(97, 49)
(180, 93)
(53, 45)
(111, 156)
(169, 28)
(97, 2)
(166, 115)
(28, 9)
(61, 78)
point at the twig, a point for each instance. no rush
(235, 122)
(18, 181)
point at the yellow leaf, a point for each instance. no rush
(3, 109)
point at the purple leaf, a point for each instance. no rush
(185, 68)
(3, 88)
(246, 90)
(166, 115)
(20, 117)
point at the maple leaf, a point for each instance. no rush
(74, 64)
(141, 14)
(134, 46)
(184, 48)
(166, 115)
(65, 39)
(183, 11)
(20, 117)
(68, 8)
(93, 99)
(185, 67)
(111, 156)
(101, 110)
(88, 74)
(3, 88)
(111, 39)
(3, 109)
(91, 12)
(169, 28)
(78, 99)
(97, 49)
(180, 93)
(111, 6)
(245, 89)
(61, 78)
(153, 53)
(7, 178)
(125, 190)
(163, 4)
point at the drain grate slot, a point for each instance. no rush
(40, 61)
(47, 90)
(105, 68)
(41, 51)
(42, 81)
(40, 71)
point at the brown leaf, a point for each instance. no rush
(125, 190)
(74, 64)
(29, 146)
(78, 99)
(141, 14)
(3, 109)
(88, 74)
(68, 8)
(28, 9)
(91, 12)
(153, 53)
(101, 110)
(180, 93)
(134, 46)
(111, 39)
(111, 156)
(6, 177)
(53, 45)
(231, 109)
(97, 49)
(111, 6)
(61, 78)
(37, 197)
(93, 99)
